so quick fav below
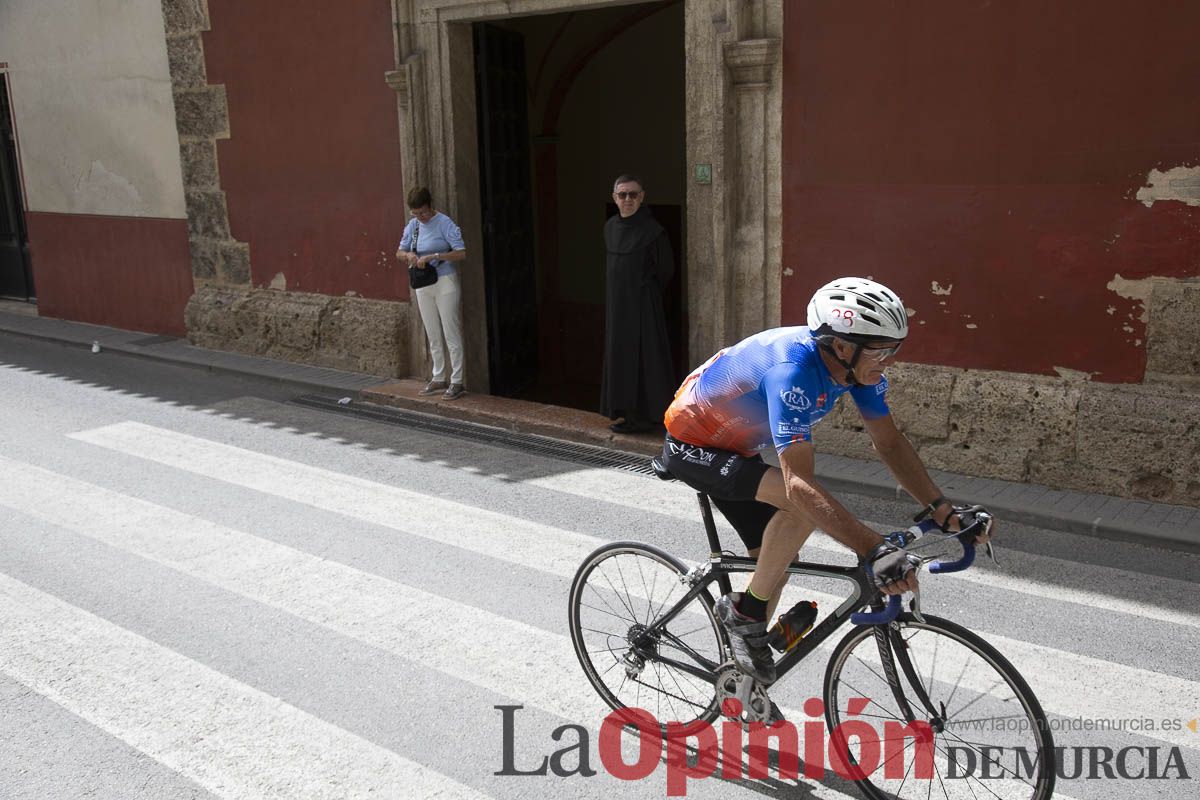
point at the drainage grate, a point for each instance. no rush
(574, 452)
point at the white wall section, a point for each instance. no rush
(91, 97)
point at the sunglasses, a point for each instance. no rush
(880, 353)
(627, 195)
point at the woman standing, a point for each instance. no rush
(432, 241)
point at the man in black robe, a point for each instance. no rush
(639, 380)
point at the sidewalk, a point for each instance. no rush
(1176, 527)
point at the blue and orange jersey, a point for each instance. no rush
(770, 388)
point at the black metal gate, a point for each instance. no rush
(15, 277)
(508, 235)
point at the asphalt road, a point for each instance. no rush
(208, 591)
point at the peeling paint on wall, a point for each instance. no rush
(279, 282)
(1074, 374)
(1180, 183)
(1138, 290)
(936, 288)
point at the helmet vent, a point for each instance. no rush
(871, 319)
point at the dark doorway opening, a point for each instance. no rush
(16, 278)
(566, 102)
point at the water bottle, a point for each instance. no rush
(791, 626)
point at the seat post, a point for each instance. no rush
(714, 541)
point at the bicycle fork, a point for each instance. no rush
(892, 650)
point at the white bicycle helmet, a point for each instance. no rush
(858, 310)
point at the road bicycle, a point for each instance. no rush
(644, 630)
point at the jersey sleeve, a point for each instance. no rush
(872, 400)
(790, 397)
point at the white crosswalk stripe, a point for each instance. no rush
(230, 738)
(352, 602)
(1069, 684)
(508, 539)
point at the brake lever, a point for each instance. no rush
(915, 607)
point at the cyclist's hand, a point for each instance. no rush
(964, 516)
(893, 570)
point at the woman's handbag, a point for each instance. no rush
(420, 277)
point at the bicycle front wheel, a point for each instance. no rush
(976, 728)
(618, 599)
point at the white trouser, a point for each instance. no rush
(439, 312)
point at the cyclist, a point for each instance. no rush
(772, 388)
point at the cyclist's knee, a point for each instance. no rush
(796, 523)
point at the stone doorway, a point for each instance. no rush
(730, 159)
(601, 94)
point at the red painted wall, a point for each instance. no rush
(996, 147)
(127, 272)
(312, 169)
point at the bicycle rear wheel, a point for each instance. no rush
(968, 695)
(619, 592)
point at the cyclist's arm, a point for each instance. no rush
(805, 494)
(901, 458)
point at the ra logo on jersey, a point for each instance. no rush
(794, 399)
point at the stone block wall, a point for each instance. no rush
(1130, 440)
(202, 117)
(227, 312)
(348, 333)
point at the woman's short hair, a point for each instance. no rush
(626, 178)
(419, 197)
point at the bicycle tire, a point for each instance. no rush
(1024, 770)
(606, 617)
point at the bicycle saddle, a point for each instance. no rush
(660, 470)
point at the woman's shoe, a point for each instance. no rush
(454, 392)
(433, 387)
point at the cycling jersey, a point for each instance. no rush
(772, 387)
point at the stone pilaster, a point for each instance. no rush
(201, 118)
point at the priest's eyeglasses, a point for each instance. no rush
(627, 195)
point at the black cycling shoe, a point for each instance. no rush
(747, 640)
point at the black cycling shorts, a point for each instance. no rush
(730, 479)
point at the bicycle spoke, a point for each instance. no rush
(957, 683)
(897, 715)
(596, 592)
(621, 636)
(986, 693)
(1015, 775)
(623, 598)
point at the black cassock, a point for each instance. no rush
(639, 381)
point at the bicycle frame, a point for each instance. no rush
(721, 566)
